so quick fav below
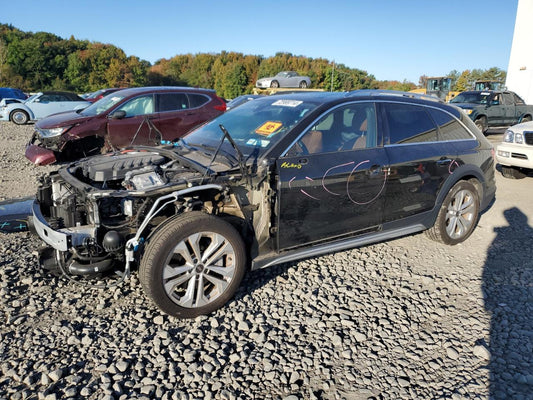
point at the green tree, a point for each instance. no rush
(462, 83)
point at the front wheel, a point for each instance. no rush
(193, 265)
(482, 124)
(274, 84)
(20, 117)
(457, 216)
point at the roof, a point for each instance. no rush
(148, 89)
(396, 93)
(70, 95)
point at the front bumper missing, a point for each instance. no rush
(61, 239)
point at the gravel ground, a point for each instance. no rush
(406, 319)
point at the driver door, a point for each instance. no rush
(332, 180)
(45, 105)
(134, 128)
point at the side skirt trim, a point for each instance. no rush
(332, 247)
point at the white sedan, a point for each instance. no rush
(515, 153)
(285, 79)
(41, 105)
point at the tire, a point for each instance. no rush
(172, 275)
(303, 85)
(19, 117)
(458, 215)
(274, 84)
(527, 118)
(481, 123)
(512, 172)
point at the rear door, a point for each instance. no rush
(135, 128)
(332, 180)
(509, 116)
(419, 161)
(180, 112)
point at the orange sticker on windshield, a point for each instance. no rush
(268, 128)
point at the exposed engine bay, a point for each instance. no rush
(97, 212)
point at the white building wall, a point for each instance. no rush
(520, 70)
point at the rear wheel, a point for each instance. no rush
(457, 216)
(20, 117)
(527, 118)
(481, 123)
(303, 85)
(274, 84)
(193, 265)
(512, 172)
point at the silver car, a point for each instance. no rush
(285, 79)
(41, 105)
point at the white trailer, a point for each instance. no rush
(520, 70)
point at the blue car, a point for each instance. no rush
(11, 93)
(41, 105)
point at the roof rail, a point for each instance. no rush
(383, 92)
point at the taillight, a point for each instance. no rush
(221, 106)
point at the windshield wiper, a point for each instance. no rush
(240, 158)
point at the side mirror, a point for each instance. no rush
(119, 114)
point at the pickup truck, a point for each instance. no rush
(493, 108)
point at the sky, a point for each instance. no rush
(390, 39)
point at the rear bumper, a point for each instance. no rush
(39, 155)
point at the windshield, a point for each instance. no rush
(472, 97)
(254, 126)
(29, 99)
(102, 105)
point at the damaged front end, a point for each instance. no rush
(40, 152)
(95, 214)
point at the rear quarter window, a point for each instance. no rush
(197, 100)
(449, 127)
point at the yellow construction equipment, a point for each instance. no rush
(439, 86)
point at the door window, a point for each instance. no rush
(346, 128)
(508, 99)
(138, 106)
(172, 102)
(409, 124)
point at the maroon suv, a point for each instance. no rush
(135, 116)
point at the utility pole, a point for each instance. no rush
(332, 73)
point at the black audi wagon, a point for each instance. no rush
(277, 179)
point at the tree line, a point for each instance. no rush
(44, 61)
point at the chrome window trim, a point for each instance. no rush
(376, 101)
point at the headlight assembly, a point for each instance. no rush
(47, 133)
(468, 111)
(508, 137)
(519, 138)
